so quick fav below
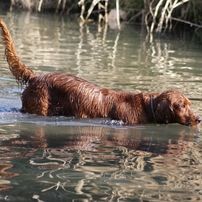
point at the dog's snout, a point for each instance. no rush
(198, 119)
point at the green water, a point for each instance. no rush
(70, 159)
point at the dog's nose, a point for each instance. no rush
(198, 119)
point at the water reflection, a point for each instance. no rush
(60, 159)
(84, 159)
(88, 138)
(120, 60)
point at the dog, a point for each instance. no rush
(64, 94)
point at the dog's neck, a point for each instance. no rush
(150, 106)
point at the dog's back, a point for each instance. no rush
(65, 94)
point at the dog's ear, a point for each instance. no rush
(164, 111)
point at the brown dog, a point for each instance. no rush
(64, 94)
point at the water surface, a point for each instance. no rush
(71, 159)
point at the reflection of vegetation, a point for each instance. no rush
(156, 14)
(96, 162)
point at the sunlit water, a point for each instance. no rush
(71, 159)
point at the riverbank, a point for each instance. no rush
(157, 15)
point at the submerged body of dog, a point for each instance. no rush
(65, 94)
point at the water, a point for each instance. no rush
(71, 159)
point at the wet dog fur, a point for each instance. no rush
(64, 94)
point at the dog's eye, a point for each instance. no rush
(183, 106)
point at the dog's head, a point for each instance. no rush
(174, 107)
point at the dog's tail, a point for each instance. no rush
(17, 67)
